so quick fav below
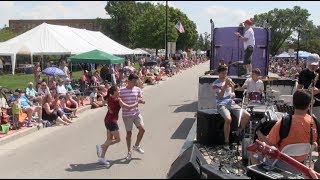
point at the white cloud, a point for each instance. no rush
(52, 10)
(6, 11)
(170, 3)
(223, 16)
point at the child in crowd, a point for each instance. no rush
(16, 109)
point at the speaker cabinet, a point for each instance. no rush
(209, 171)
(187, 165)
(210, 127)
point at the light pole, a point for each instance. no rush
(298, 47)
(212, 46)
(166, 38)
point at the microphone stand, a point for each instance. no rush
(239, 123)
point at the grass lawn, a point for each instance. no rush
(21, 80)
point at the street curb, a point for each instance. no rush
(30, 130)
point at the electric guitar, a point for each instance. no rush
(273, 153)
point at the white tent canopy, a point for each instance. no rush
(141, 51)
(47, 39)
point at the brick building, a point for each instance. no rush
(20, 26)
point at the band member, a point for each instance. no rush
(254, 84)
(224, 89)
(299, 131)
(306, 76)
(248, 40)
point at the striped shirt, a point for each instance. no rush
(130, 96)
(226, 99)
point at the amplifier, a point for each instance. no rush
(210, 127)
(262, 171)
(209, 171)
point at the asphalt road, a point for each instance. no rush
(69, 151)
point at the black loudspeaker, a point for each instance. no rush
(208, 53)
(209, 171)
(241, 70)
(187, 165)
(210, 127)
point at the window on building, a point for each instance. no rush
(12, 26)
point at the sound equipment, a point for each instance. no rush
(210, 127)
(187, 165)
(261, 171)
(210, 171)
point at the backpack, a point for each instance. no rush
(286, 124)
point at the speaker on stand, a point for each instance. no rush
(187, 165)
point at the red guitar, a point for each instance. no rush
(273, 153)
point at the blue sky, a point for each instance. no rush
(223, 13)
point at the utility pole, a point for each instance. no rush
(166, 37)
(298, 44)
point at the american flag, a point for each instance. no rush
(180, 27)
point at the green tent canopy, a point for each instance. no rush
(97, 57)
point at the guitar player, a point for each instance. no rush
(299, 130)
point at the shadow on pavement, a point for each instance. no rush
(121, 161)
(96, 165)
(183, 130)
(191, 107)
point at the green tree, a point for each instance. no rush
(200, 43)
(206, 44)
(123, 19)
(6, 34)
(123, 15)
(284, 22)
(150, 28)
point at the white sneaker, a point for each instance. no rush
(129, 156)
(103, 161)
(138, 149)
(99, 150)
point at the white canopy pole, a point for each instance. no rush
(13, 62)
(31, 57)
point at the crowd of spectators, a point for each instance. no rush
(287, 68)
(56, 100)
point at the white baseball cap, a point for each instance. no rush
(313, 59)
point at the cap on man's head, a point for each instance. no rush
(18, 90)
(248, 21)
(313, 59)
(30, 83)
(60, 80)
(15, 94)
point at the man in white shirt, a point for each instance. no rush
(248, 43)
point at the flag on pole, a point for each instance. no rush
(180, 27)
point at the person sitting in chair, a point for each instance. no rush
(94, 99)
(299, 131)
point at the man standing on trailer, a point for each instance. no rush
(248, 43)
